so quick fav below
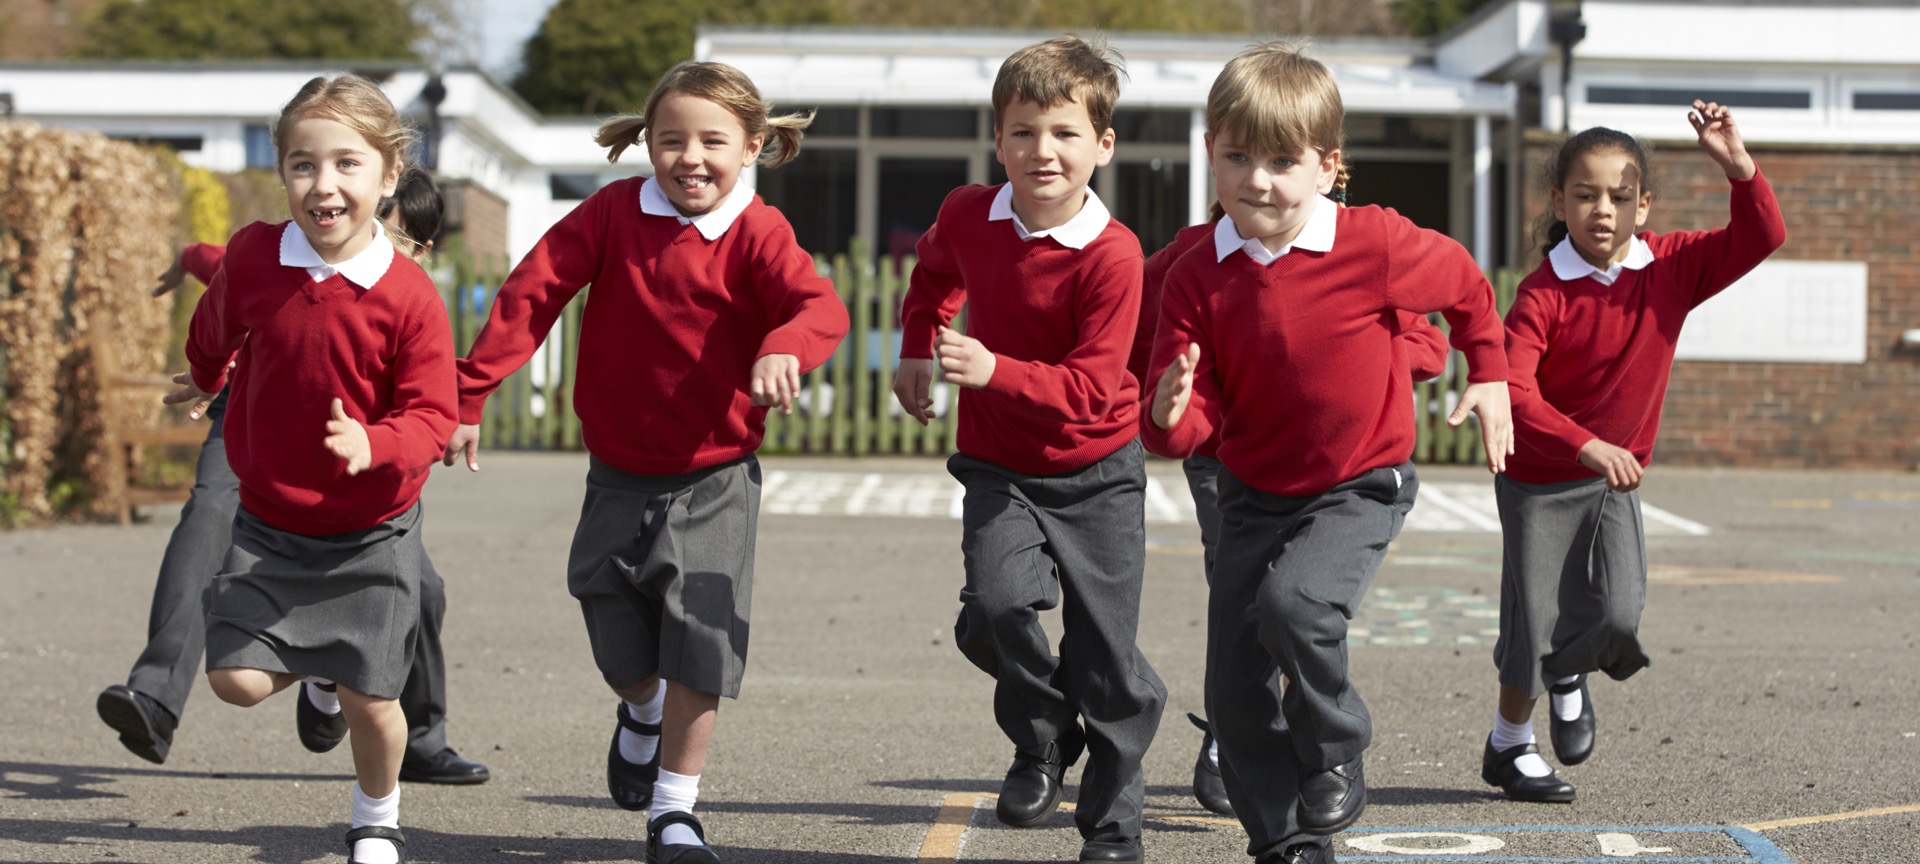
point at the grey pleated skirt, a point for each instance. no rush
(342, 607)
(1573, 580)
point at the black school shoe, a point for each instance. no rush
(1331, 799)
(1497, 769)
(1299, 853)
(145, 728)
(1572, 739)
(1124, 850)
(372, 832)
(319, 731)
(1031, 791)
(446, 768)
(1208, 788)
(630, 785)
(675, 853)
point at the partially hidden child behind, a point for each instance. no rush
(1590, 343)
(342, 396)
(704, 312)
(1279, 336)
(1049, 453)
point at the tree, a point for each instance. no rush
(250, 30)
(1433, 17)
(603, 56)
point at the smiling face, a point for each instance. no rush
(1269, 195)
(1049, 154)
(698, 149)
(335, 180)
(1603, 200)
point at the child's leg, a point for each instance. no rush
(686, 731)
(249, 687)
(1539, 527)
(379, 740)
(1203, 483)
(1602, 590)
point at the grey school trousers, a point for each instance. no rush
(1077, 541)
(177, 621)
(1290, 574)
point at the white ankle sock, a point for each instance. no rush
(328, 701)
(635, 747)
(676, 792)
(1566, 707)
(1507, 736)
(384, 812)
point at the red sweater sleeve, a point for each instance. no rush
(213, 336)
(807, 316)
(1429, 272)
(1709, 261)
(1530, 324)
(565, 260)
(1425, 345)
(202, 260)
(1082, 386)
(414, 432)
(935, 291)
(1181, 323)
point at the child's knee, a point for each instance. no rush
(641, 692)
(243, 687)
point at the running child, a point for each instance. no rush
(342, 397)
(1049, 453)
(146, 710)
(704, 312)
(1590, 342)
(1279, 334)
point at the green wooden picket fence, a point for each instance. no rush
(847, 406)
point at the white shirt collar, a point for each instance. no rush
(712, 224)
(363, 269)
(1084, 228)
(1315, 236)
(1568, 265)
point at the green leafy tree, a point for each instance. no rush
(603, 56)
(250, 30)
(1432, 17)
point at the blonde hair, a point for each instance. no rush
(1273, 98)
(1062, 70)
(724, 86)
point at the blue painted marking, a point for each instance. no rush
(1535, 859)
(1762, 849)
(1759, 849)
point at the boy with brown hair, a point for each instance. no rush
(1049, 441)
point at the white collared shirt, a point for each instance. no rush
(1568, 265)
(363, 269)
(1315, 236)
(712, 224)
(1084, 228)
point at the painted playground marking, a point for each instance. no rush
(1442, 507)
(1508, 844)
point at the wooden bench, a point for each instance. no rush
(125, 432)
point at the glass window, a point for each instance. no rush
(926, 123)
(1423, 133)
(1151, 199)
(910, 194)
(1684, 96)
(1864, 101)
(572, 187)
(259, 145)
(834, 123)
(817, 193)
(1419, 190)
(1161, 127)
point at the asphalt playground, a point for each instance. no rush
(1780, 723)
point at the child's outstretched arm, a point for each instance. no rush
(1430, 272)
(935, 293)
(1710, 261)
(1489, 399)
(214, 336)
(1713, 123)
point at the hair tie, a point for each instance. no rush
(1340, 195)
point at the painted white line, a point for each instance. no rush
(1687, 526)
(1432, 493)
(1160, 502)
(954, 504)
(774, 481)
(857, 502)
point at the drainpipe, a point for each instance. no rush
(1566, 28)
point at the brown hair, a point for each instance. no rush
(353, 102)
(1271, 97)
(724, 86)
(1062, 70)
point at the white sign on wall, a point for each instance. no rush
(1784, 312)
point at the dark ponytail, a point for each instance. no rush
(1597, 139)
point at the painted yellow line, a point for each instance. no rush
(943, 839)
(1831, 817)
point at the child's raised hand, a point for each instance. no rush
(190, 393)
(1175, 389)
(1490, 400)
(913, 386)
(1713, 122)
(964, 360)
(466, 439)
(775, 381)
(172, 278)
(347, 439)
(1617, 464)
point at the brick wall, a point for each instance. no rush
(1839, 205)
(483, 222)
(39, 29)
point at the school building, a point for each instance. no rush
(1813, 360)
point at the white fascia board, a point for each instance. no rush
(57, 91)
(1510, 35)
(1750, 33)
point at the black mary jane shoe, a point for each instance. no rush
(1208, 788)
(376, 832)
(1300, 853)
(145, 727)
(678, 853)
(319, 731)
(1031, 791)
(1121, 850)
(630, 785)
(1572, 739)
(1331, 799)
(1497, 768)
